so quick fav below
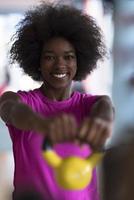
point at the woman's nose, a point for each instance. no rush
(60, 61)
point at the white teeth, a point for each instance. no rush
(59, 75)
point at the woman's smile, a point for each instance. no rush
(60, 76)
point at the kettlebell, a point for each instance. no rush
(73, 172)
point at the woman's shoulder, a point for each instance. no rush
(86, 97)
(27, 93)
(29, 96)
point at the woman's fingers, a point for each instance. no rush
(104, 134)
(61, 128)
(94, 131)
(68, 127)
(83, 130)
(101, 134)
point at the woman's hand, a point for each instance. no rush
(97, 128)
(60, 128)
(95, 131)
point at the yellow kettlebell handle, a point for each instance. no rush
(73, 173)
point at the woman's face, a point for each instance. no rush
(58, 63)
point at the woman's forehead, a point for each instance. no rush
(57, 44)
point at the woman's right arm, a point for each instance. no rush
(18, 114)
(58, 129)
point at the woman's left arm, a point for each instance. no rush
(97, 128)
(103, 108)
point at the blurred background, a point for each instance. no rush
(114, 76)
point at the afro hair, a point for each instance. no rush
(57, 20)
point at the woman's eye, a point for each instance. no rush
(69, 57)
(49, 57)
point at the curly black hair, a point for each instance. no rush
(57, 20)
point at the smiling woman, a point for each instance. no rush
(55, 44)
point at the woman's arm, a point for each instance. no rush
(18, 114)
(103, 109)
(97, 128)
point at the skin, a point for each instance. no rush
(58, 66)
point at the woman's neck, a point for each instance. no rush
(56, 94)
